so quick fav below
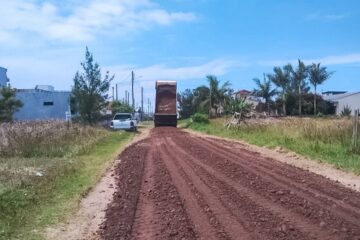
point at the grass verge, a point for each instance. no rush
(31, 206)
(327, 140)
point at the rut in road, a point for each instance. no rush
(175, 185)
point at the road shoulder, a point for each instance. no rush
(85, 223)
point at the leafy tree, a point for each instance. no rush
(264, 91)
(201, 99)
(318, 75)
(300, 74)
(8, 104)
(186, 102)
(281, 78)
(219, 96)
(89, 93)
(121, 107)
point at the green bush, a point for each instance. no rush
(200, 118)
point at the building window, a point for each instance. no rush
(48, 103)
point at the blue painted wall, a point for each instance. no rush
(3, 77)
(36, 105)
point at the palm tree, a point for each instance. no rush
(264, 90)
(218, 95)
(281, 78)
(299, 75)
(318, 75)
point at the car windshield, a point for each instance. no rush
(122, 116)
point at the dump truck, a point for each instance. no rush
(165, 104)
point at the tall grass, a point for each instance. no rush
(46, 139)
(45, 168)
(323, 139)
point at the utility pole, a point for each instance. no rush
(148, 107)
(116, 92)
(132, 90)
(142, 104)
(113, 93)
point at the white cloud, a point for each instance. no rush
(327, 60)
(83, 21)
(325, 17)
(155, 72)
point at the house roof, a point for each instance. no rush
(337, 97)
(243, 91)
(333, 92)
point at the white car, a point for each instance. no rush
(124, 121)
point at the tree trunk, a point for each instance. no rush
(284, 104)
(315, 101)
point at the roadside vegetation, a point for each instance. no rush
(46, 167)
(283, 110)
(284, 92)
(325, 139)
(49, 167)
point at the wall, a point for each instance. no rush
(353, 101)
(3, 77)
(35, 109)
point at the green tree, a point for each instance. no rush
(219, 95)
(89, 93)
(121, 107)
(317, 76)
(186, 103)
(264, 90)
(281, 78)
(201, 99)
(300, 75)
(8, 104)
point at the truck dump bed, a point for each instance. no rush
(165, 106)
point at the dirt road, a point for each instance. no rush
(174, 185)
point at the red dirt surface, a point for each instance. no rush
(174, 185)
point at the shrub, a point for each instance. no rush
(200, 118)
(346, 112)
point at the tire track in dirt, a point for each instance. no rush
(344, 209)
(256, 202)
(290, 175)
(177, 186)
(204, 228)
(145, 222)
(232, 226)
(270, 189)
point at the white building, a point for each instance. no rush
(343, 99)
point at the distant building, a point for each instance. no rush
(343, 99)
(4, 80)
(248, 96)
(43, 103)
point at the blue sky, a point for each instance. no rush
(43, 42)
